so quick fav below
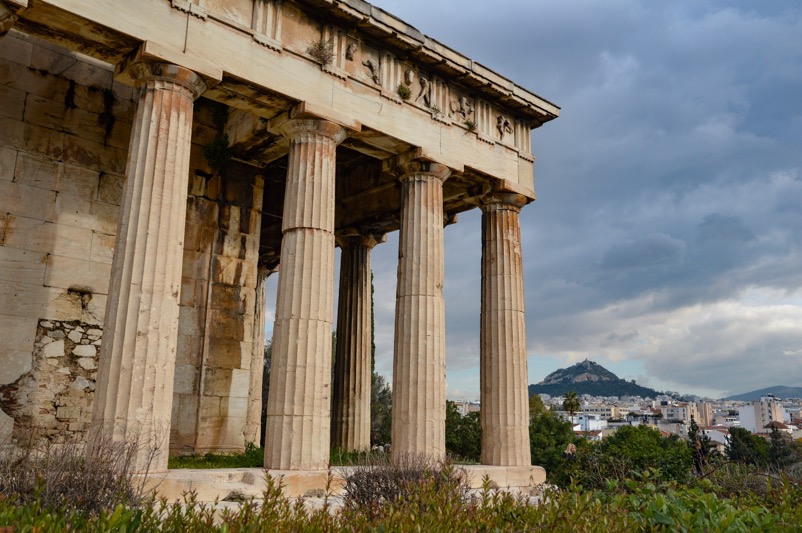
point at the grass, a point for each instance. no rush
(252, 457)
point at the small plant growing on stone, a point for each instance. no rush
(217, 152)
(321, 51)
(404, 92)
(471, 125)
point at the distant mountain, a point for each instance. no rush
(591, 378)
(780, 391)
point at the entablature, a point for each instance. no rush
(406, 89)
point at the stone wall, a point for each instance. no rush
(54, 399)
(217, 298)
(64, 131)
(64, 128)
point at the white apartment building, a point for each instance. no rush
(464, 406)
(589, 422)
(756, 416)
(605, 411)
(682, 412)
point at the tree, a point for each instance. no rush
(549, 435)
(381, 410)
(536, 406)
(780, 453)
(463, 433)
(699, 443)
(745, 447)
(645, 448)
(571, 404)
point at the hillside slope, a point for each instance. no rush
(781, 391)
(591, 378)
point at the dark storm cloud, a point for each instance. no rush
(668, 226)
(654, 251)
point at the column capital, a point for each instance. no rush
(269, 262)
(357, 237)
(153, 62)
(264, 271)
(9, 12)
(141, 72)
(295, 127)
(417, 167)
(503, 200)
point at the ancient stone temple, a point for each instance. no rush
(160, 158)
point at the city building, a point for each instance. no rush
(757, 415)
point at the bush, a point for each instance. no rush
(91, 477)
(438, 502)
(381, 480)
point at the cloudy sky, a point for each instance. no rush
(666, 240)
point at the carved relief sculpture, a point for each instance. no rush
(462, 107)
(350, 51)
(503, 125)
(375, 69)
(425, 92)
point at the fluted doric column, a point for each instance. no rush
(298, 424)
(504, 391)
(419, 363)
(134, 392)
(8, 13)
(350, 428)
(253, 420)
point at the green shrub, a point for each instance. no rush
(413, 494)
(404, 92)
(438, 502)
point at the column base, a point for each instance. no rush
(218, 484)
(516, 479)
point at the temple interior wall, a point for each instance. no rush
(64, 127)
(217, 299)
(64, 132)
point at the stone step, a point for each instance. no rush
(210, 485)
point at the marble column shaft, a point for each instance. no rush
(134, 392)
(253, 421)
(503, 379)
(350, 428)
(419, 363)
(297, 435)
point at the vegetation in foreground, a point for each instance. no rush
(434, 498)
(412, 495)
(635, 480)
